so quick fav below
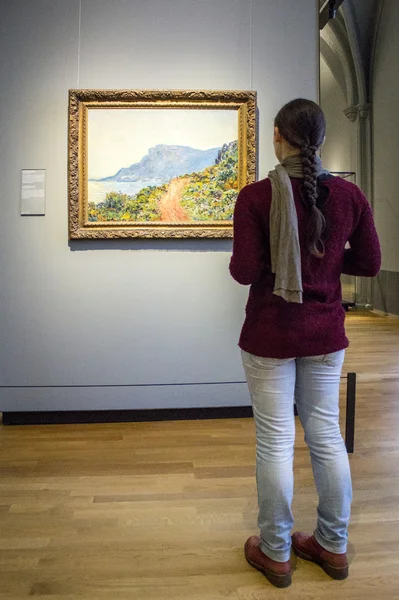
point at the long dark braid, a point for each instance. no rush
(317, 222)
(302, 124)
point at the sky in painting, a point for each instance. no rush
(121, 137)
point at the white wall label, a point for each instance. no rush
(33, 192)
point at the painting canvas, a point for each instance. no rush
(150, 166)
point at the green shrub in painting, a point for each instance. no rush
(211, 194)
(143, 206)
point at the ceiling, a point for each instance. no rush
(365, 15)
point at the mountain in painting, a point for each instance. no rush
(163, 162)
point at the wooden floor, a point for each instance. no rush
(160, 511)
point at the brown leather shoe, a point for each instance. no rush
(307, 547)
(279, 574)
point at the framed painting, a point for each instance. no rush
(158, 164)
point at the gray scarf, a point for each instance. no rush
(284, 239)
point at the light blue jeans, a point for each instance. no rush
(314, 383)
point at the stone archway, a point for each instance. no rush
(339, 51)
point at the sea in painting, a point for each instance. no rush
(188, 173)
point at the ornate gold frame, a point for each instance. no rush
(80, 101)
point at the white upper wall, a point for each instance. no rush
(386, 134)
(140, 312)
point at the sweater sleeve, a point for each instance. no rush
(247, 261)
(363, 258)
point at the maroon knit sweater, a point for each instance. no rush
(279, 329)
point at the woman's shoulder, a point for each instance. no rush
(257, 190)
(336, 183)
(346, 191)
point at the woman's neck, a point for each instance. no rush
(289, 151)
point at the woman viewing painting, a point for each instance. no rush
(290, 236)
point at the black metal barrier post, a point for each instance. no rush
(350, 413)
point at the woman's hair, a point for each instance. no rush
(302, 124)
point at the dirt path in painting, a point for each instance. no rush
(169, 205)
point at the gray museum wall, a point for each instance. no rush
(151, 314)
(386, 152)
